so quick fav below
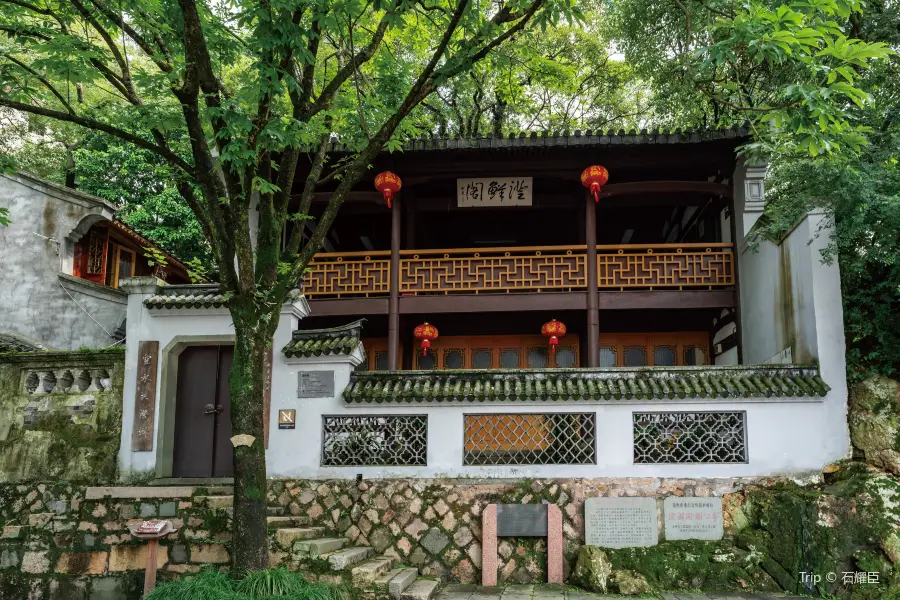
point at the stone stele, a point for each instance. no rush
(693, 518)
(621, 522)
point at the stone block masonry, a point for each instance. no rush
(64, 541)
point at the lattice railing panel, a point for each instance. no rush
(709, 267)
(530, 439)
(511, 270)
(690, 437)
(348, 276)
(375, 440)
(528, 269)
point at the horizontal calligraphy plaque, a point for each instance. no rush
(693, 518)
(494, 191)
(621, 522)
(315, 384)
(522, 520)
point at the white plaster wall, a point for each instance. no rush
(784, 437)
(171, 327)
(33, 296)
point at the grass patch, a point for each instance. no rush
(258, 585)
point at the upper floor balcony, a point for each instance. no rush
(516, 270)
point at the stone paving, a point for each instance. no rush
(555, 592)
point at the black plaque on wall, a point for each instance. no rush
(315, 384)
(522, 520)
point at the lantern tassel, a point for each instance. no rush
(388, 194)
(425, 346)
(595, 190)
(553, 342)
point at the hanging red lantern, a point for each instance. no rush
(554, 330)
(388, 184)
(425, 333)
(593, 177)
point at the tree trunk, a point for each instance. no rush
(249, 544)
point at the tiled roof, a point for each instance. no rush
(648, 383)
(566, 138)
(325, 342)
(187, 296)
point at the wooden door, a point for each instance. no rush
(202, 413)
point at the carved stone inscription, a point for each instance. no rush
(522, 520)
(145, 397)
(621, 522)
(693, 518)
(316, 384)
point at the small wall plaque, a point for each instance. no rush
(621, 522)
(287, 419)
(693, 518)
(145, 397)
(315, 384)
(522, 520)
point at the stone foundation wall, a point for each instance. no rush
(60, 415)
(69, 542)
(435, 525)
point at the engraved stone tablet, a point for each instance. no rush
(316, 384)
(693, 518)
(522, 520)
(621, 522)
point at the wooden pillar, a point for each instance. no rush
(394, 299)
(737, 287)
(593, 299)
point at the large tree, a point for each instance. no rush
(232, 94)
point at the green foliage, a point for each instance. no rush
(258, 585)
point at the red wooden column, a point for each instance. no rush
(394, 299)
(593, 299)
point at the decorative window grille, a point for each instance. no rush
(454, 358)
(530, 439)
(608, 357)
(635, 356)
(509, 358)
(381, 361)
(690, 437)
(664, 356)
(376, 440)
(95, 253)
(482, 358)
(565, 357)
(537, 358)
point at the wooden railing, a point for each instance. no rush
(512, 270)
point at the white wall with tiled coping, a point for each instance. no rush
(784, 435)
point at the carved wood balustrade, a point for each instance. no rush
(525, 269)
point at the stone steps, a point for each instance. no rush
(365, 573)
(286, 522)
(275, 511)
(398, 584)
(286, 536)
(342, 559)
(315, 548)
(421, 589)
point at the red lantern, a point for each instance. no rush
(388, 184)
(427, 334)
(593, 177)
(554, 330)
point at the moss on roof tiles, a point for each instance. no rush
(649, 383)
(187, 296)
(326, 342)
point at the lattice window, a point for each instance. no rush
(635, 356)
(530, 439)
(482, 358)
(426, 362)
(690, 437)
(96, 244)
(608, 357)
(537, 358)
(565, 357)
(381, 361)
(364, 440)
(664, 356)
(454, 358)
(510, 358)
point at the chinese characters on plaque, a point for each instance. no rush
(145, 397)
(494, 191)
(693, 518)
(621, 522)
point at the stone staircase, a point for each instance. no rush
(323, 555)
(313, 551)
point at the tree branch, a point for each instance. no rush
(40, 78)
(140, 142)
